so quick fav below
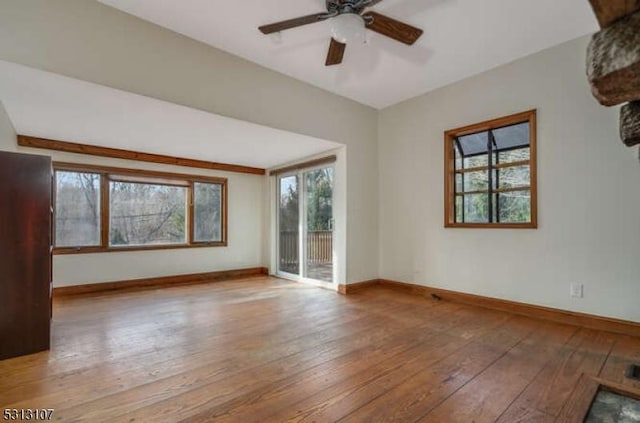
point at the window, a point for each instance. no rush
(77, 202)
(111, 209)
(146, 214)
(207, 211)
(490, 174)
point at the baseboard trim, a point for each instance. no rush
(590, 321)
(193, 278)
(350, 288)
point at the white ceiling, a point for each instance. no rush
(461, 38)
(48, 105)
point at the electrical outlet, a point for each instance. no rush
(576, 290)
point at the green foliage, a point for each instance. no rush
(319, 199)
(143, 214)
(289, 204)
(77, 210)
(207, 211)
(513, 207)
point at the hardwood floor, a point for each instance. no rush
(264, 349)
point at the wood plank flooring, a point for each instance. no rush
(264, 349)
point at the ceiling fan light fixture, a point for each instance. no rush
(347, 28)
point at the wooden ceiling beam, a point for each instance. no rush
(116, 153)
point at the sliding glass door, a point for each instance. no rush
(288, 225)
(305, 224)
(318, 224)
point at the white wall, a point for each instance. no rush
(589, 193)
(90, 41)
(7, 132)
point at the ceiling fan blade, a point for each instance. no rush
(336, 53)
(392, 28)
(292, 23)
(373, 3)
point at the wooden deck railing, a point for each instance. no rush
(289, 251)
(319, 248)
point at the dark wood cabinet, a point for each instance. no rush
(25, 253)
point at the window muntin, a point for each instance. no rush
(132, 209)
(490, 173)
(77, 209)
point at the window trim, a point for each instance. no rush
(449, 170)
(164, 178)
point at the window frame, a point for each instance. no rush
(450, 137)
(145, 177)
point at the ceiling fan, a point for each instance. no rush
(349, 20)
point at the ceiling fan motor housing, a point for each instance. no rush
(340, 7)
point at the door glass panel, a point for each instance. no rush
(288, 226)
(319, 224)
